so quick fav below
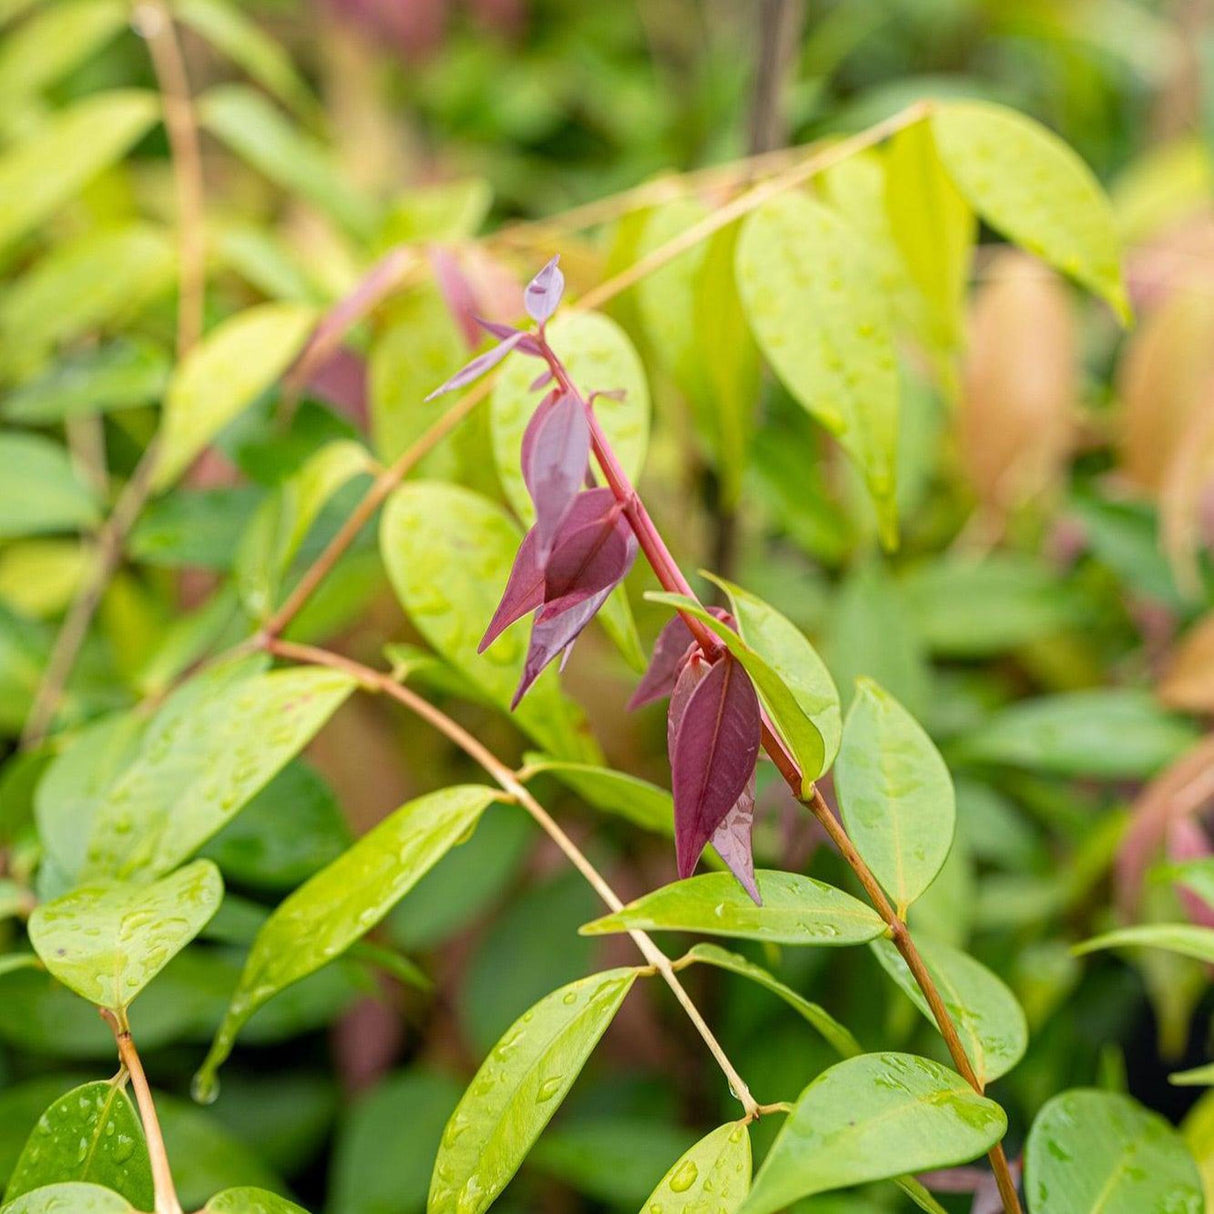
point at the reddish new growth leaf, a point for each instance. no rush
(713, 733)
(544, 292)
(593, 550)
(670, 652)
(478, 366)
(556, 454)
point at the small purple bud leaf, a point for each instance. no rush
(544, 292)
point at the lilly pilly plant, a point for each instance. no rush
(131, 812)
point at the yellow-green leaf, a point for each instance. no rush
(806, 284)
(54, 42)
(711, 1178)
(107, 941)
(224, 374)
(517, 1090)
(39, 489)
(50, 165)
(1025, 182)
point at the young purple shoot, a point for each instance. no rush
(544, 292)
(556, 455)
(478, 366)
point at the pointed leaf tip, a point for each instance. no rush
(713, 753)
(544, 292)
(478, 366)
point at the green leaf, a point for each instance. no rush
(517, 1090)
(1198, 1076)
(795, 910)
(40, 491)
(231, 33)
(871, 1118)
(276, 532)
(116, 376)
(448, 552)
(386, 1145)
(245, 121)
(224, 374)
(806, 285)
(91, 1134)
(615, 792)
(107, 941)
(788, 713)
(975, 609)
(1092, 1152)
(100, 280)
(1187, 939)
(208, 751)
(1025, 182)
(339, 905)
(73, 1198)
(988, 1019)
(60, 157)
(438, 211)
(1107, 734)
(600, 358)
(835, 1034)
(711, 1178)
(933, 228)
(53, 43)
(251, 1201)
(777, 640)
(895, 794)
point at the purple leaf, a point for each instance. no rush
(733, 842)
(556, 453)
(544, 292)
(670, 651)
(524, 591)
(478, 366)
(542, 380)
(714, 751)
(590, 554)
(553, 637)
(457, 293)
(526, 343)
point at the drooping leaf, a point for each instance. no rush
(806, 284)
(895, 794)
(733, 839)
(1111, 733)
(932, 226)
(599, 358)
(78, 1198)
(1187, 939)
(670, 650)
(544, 291)
(524, 590)
(779, 642)
(43, 171)
(40, 491)
(518, 1089)
(835, 1034)
(108, 941)
(870, 1118)
(713, 750)
(711, 1178)
(556, 451)
(92, 1135)
(988, 1019)
(593, 551)
(448, 553)
(481, 364)
(224, 374)
(1092, 1152)
(1028, 184)
(795, 910)
(326, 914)
(208, 751)
(251, 126)
(787, 712)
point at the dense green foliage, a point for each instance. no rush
(370, 930)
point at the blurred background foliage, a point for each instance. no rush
(1049, 614)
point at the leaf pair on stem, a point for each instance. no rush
(579, 549)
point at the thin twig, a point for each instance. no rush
(374, 680)
(162, 1176)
